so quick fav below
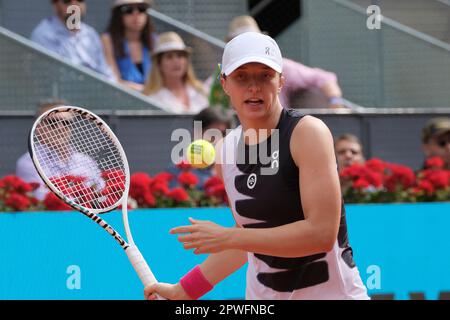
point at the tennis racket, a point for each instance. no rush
(83, 163)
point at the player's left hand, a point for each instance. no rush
(203, 236)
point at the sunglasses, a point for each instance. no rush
(70, 1)
(130, 8)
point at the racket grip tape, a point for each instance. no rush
(140, 265)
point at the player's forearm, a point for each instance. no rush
(297, 239)
(220, 265)
(331, 90)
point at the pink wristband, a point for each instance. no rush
(195, 284)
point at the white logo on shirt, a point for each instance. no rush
(251, 181)
(275, 161)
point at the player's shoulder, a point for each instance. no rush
(310, 125)
(310, 132)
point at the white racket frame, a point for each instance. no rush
(134, 255)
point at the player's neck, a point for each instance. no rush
(263, 126)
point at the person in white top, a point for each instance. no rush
(288, 208)
(26, 170)
(172, 81)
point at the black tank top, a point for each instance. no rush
(271, 200)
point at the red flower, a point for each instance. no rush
(53, 203)
(374, 178)
(34, 185)
(179, 195)
(376, 165)
(159, 187)
(12, 182)
(439, 179)
(216, 191)
(434, 162)
(163, 176)
(354, 171)
(139, 185)
(214, 180)
(149, 199)
(187, 179)
(18, 201)
(115, 179)
(361, 184)
(364, 173)
(116, 174)
(68, 184)
(400, 176)
(184, 165)
(425, 186)
(24, 188)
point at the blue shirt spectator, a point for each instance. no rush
(81, 47)
(131, 71)
(128, 42)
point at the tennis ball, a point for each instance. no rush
(201, 154)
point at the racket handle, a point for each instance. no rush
(140, 265)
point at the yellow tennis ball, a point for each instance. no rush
(201, 154)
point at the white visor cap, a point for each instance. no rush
(251, 47)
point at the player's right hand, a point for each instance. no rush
(165, 290)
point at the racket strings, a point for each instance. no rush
(80, 159)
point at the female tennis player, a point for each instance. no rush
(290, 218)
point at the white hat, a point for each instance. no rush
(251, 47)
(242, 24)
(170, 41)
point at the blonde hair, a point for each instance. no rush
(155, 81)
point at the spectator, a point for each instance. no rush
(24, 166)
(57, 151)
(298, 76)
(436, 139)
(217, 122)
(214, 121)
(172, 80)
(81, 46)
(348, 150)
(128, 42)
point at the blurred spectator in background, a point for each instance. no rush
(211, 119)
(24, 166)
(172, 80)
(128, 42)
(78, 43)
(298, 76)
(349, 150)
(436, 139)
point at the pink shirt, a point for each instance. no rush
(299, 76)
